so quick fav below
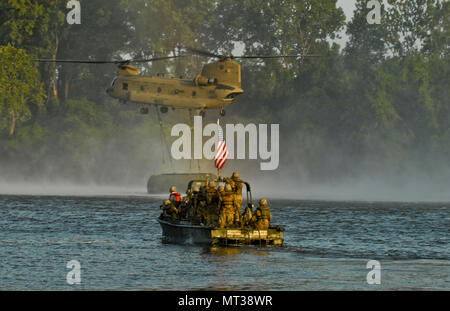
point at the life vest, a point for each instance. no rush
(265, 212)
(176, 197)
(211, 196)
(228, 200)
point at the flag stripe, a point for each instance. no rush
(221, 153)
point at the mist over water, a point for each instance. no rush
(406, 188)
(124, 166)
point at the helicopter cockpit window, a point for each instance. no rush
(125, 86)
(233, 95)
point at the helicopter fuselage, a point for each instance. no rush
(171, 92)
(216, 87)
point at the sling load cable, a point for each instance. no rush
(164, 145)
(191, 125)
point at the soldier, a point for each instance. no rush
(169, 210)
(174, 196)
(263, 215)
(199, 204)
(212, 201)
(221, 190)
(227, 211)
(237, 185)
(185, 207)
(247, 217)
(194, 213)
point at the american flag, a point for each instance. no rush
(221, 151)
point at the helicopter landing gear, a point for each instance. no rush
(144, 110)
(222, 112)
(163, 109)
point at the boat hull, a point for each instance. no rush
(186, 233)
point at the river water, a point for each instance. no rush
(118, 243)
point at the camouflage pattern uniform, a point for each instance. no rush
(212, 202)
(169, 210)
(195, 213)
(247, 217)
(185, 206)
(226, 218)
(221, 190)
(237, 185)
(200, 201)
(263, 215)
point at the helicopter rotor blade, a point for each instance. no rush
(117, 62)
(74, 61)
(274, 56)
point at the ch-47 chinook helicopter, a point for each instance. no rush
(216, 87)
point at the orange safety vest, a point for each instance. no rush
(176, 195)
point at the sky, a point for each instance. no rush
(348, 6)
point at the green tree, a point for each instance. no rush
(163, 27)
(276, 28)
(19, 85)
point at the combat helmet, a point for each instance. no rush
(263, 202)
(235, 176)
(173, 189)
(167, 202)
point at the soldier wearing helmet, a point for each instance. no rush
(221, 190)
(194, 209)
(227, 210)
(169, 210)
(174, 196)
(247, 219)
(237, 185)
(212, 202)
(263, 215)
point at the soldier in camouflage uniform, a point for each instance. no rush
(263, 215)
(227, 210)
(247, 218)
(237, 185)
(169, 210)
(195, 213)
(221, 190)
(186, 205)
(201, 205)
(212, 202)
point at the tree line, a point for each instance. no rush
(380, 101)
